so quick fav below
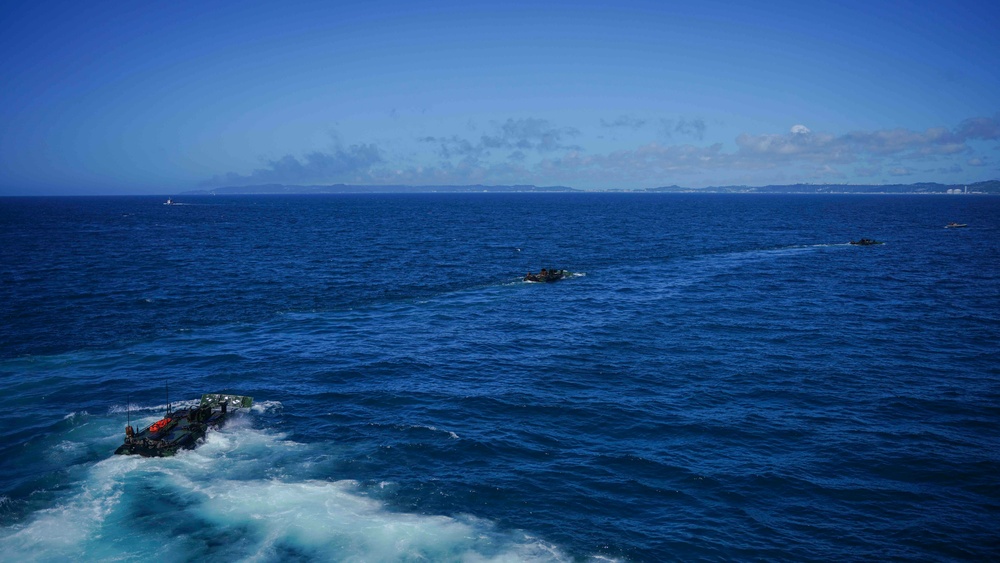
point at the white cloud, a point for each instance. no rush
(355, 161)
(625, 121)
(525, 151)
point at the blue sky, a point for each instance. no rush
(162, 97)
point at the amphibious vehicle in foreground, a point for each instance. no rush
(182, 429)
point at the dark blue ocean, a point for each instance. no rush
(722, 378)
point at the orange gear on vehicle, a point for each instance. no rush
(159, 424)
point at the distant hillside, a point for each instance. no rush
(354, 189)
(988, 187)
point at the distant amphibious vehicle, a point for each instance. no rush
(546, 276)
(183, 428)
(865, 242)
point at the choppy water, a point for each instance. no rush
(723, 378)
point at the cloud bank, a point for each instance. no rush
(537, 151)
(690, 127)
(355, 163)
(516, 135)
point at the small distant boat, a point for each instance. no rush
(169, 202)
(865, 242)
(546, 276)
(955, 225)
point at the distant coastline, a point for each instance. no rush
(987, 187)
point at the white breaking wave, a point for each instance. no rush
(246, 495)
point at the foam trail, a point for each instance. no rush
(227, 498)
(326, 519)
(63, 531)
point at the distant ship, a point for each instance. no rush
(955, 225)
(169, 202)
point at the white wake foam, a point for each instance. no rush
(245, 495)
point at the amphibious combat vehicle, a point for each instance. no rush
(184, 428)
(546, 276)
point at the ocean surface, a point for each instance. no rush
(721, 378)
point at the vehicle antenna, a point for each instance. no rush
(167, 384)
(128, 409)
